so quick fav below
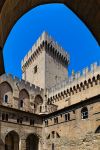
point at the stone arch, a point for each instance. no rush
(6, 93)
(32, 141)
(77, 6)
(12, 141)
(38, 100)
(25, 99)
(38, 103)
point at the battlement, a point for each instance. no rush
(78, 80)
(13, 79)
(47, 41)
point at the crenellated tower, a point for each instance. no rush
(46, 63)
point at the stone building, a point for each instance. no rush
(46, 109)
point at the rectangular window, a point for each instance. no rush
(35, 69)
(31, 122)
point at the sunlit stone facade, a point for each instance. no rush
(46, 109)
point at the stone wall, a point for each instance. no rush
(51, 61)
(77, 88)
(23, 128)
(74, 133)
(17, 90)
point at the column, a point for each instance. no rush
(22, 144)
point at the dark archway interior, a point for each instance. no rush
(12, 141)
(32, 142)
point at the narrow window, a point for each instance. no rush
(31, 122)
(45, 108)
(18, 120)
(34, 106)
(40, 109)
(84, 113)
(21, 103)
(3, 116)
(6, 117)
(46, 122)
(35, 69)
(21, 119)
(6, 98)
(53, 146)
(66, 117)
(53, 134)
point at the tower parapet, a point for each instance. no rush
(50, 45)
(46, 59)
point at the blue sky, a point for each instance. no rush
(63, 25)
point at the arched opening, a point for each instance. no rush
(12, 141)
(97, 130)
(38, 100)
(32, 142)
(6, 93)
(24, 99)
(38, 103)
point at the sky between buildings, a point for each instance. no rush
(63, 25)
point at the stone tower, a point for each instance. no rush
(46, 63)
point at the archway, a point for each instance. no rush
(24, 99)
(32, 142)
(12, 141)
(10, 12)
(6, 93)
(38, 104)
(38, 100)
